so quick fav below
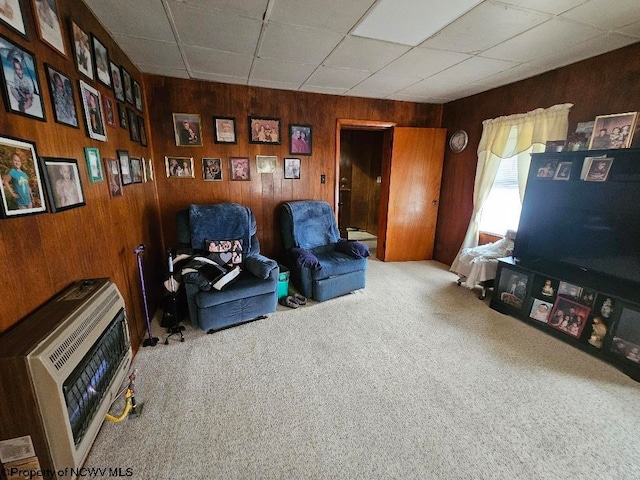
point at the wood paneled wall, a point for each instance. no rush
(601, 85)
(41, 254)
(265, 192)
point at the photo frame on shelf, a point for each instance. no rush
(540, 310)
(563, 172)
(101, 61)
(568, 316)
(292, 168)
(266, 163)
(597, 169)
(82, 53)
(116, 82)
(136, 170)
(62, 97)
(93, 115)
(187, 129)
(613, 131)
(48, 25)
(224, 130)
(240, 168)
(512, 287)
(300, 139)
(21, 87)
(554, 146)
(127, 86)
(212, 169)
(94, 166)
(114, 177)
(264, 130)
(64, 187)
(548, 169)
(13, 17)
(23, 190)
(125, 167)
(179, 167)
(626, 335)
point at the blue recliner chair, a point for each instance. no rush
(254, 293)
(323, 265)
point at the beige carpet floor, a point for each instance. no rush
(412, 377)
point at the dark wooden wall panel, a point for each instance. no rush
(601, 85)
(41, 254)
(265, 192)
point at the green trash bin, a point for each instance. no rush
(283, 282)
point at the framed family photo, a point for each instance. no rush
(22, 188)
(179, 167)
(142, 130)
(101, 56)
(62, 97)
(47, 18)
(125, 167)
(568, 316)
(94, 118)
(128, 87)
(114, 177)
(240, 168)
(137, 95)
(597, 169)
(212, 169)
(109, 111)
(134, 133)
(94, 167)
(224, 130)
(300, 138)
(613, 131)
(12, 15)
(82, 50)
(22, 92)
(266, 163)
(187, 129)
(136, 170)
(62, 178)
(122, 116)
(264, 130)
(292, 168)
(116, 81)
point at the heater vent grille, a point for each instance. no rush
(74, 340)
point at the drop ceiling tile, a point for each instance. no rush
(214, 77)
(606, 14)
(217, 62)
(431, 87)
(512, 75)
(165, 72)
(423, 62)
(386, 83)
(364, 54)
(279, 71)
(335, 15)
(324, 90)
(588, 49)
(473, 69)
(224, 31)
(336, 77)
(142, 18)
(354, 92)
(418, 99)
(271, 84)
(410, 22)
(555, 7)
(483, 27)
(151, 52)
(632, 29)
(252, 9)
(297, 44)
(542, 40)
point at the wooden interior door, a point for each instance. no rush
(411, 172)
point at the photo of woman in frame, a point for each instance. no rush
(62, 97)
(12, 15)
(48, 24)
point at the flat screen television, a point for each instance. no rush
(591, 226)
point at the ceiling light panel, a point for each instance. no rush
(410, 22)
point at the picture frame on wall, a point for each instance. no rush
(134, 133)
(122, 117)
(179, 167)
(116, 81)
(101, 60)
(300, 139)
(94, 117)
(48, 25)
(292, 168)
(212, 169)
(12, 15)
(62, 97)
(82, 50)
(137, 95)
(224, 130)
(23, 189)
(64, 187)
(240, 169)
(125, 167)
(114, 177)
(266, 163)
(21, 87)
(613, 131)
(109, 111)
(264, 130)
(136, 170)
(142, 130)
(94, 166)
(187, 129)
(128, 88)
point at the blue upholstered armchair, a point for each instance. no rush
(322, 265)
(254, 293)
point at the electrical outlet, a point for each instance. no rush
(323, 179)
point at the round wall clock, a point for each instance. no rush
(458, 141)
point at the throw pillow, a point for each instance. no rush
(225, 252)
(304, 258)
(354, 248)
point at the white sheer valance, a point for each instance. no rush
(532, 131)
